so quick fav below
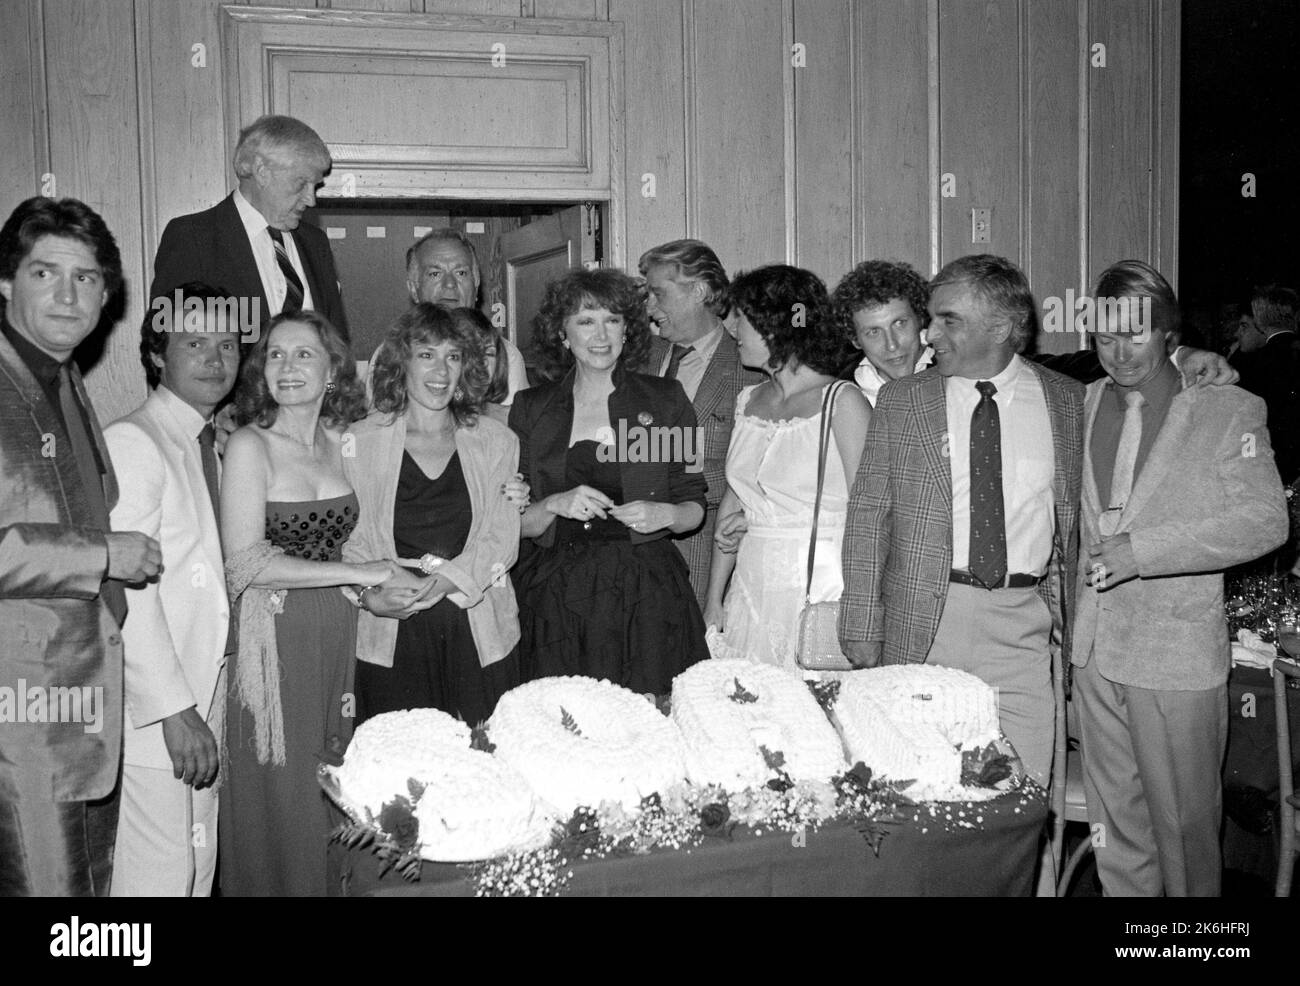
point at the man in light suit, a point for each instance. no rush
(1192, 489)
(61, 604)
(961, 524)
(252, 244)
(687, 301)
(175, 640)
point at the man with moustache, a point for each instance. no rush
(61, 567)
(687, 300)
(253, 244)
(962, 521)
(1178, 484)
(176, 639)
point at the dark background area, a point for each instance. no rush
(1240, 113)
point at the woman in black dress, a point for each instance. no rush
(612, 459)
(429, 470)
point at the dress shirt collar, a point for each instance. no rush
(869, 380)
(190, 421)
(44, 367)
(1005, 382)
(255, 223)
(704, 347)
(1159, 391)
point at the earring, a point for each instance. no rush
(329, 387)
(564, 343)
(458, 394)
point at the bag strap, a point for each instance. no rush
(828, 407)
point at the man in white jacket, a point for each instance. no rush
(175, 638)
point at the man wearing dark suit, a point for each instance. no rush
(252, 244)
(687, 300)
(1178, 484)
(962, 522)
(61, 601)
(1269, 360)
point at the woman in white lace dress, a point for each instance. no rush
(786, 329)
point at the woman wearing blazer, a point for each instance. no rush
(612, 460)
(429, 471)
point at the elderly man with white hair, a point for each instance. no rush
(253, 244)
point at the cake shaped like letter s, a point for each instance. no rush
(912, 721)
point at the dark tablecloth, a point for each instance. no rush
(984, 849)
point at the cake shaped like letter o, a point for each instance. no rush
(579, 741)
(737, 718)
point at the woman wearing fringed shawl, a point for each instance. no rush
(286, 510)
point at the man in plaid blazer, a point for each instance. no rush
(912, 593)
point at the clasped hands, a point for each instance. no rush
(403, 593)
(582, 503)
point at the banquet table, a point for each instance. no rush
(936, 849)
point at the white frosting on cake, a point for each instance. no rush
(913, 721)
(472, 806)
(725, 738)
(620, 747)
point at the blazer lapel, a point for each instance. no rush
(713, 385)
(1091, 495)
(1161, 458)
(550, 435)
(188, 452)
(232, 241)
(932, 412)
(46, 421)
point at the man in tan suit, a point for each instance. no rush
(61, 604)
(1190, 489)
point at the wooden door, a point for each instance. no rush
(534, 255)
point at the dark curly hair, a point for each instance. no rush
(878, 282)
(160, 322)
(429, 323)
(342, 406)
(790, 309)
(493, 343)
(565, 296)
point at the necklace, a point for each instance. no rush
(310, 446)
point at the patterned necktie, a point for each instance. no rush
(208, 452)
(83, 453)
(293, 293)
(1121, 482)
(675, 360)
(988, 530)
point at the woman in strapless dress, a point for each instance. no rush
(286, 510)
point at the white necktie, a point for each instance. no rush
(1121, 483)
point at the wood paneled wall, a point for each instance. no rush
(823, 164)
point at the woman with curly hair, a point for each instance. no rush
(286, 509)
(612, 458)
(429, 467)
(786, 328)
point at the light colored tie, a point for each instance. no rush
(1121, 483)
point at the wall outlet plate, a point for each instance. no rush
(981, 225)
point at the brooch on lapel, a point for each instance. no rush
(645, 419)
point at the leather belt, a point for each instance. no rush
(1015, 580)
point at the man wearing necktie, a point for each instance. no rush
(62, 602)
(253, 244)
(1178, 484)
(686, 288)
(176, 639)
(962, 521)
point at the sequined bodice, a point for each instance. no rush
(312, 529)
